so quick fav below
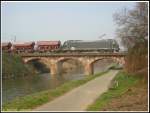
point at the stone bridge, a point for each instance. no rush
(55, 61)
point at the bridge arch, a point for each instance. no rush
(26, 60)
(95, 60)
(39, 63)
(61, 61)
(67, 58)
(115, 59)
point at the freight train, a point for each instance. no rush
(105, 45)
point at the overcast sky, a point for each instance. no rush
(32, 21)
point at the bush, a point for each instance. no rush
(137, 59)
(12, 66)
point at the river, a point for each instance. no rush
(12, 88)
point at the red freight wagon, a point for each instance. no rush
(24, 47)
(44, 46)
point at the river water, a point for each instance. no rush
(12, 88)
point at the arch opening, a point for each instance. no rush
(102, 64)
(70, 65)
(38, 66)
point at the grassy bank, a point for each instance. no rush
(122, 83)
(34, 100)
(13, 66)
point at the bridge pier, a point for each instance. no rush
(88, 69)
(54, 69)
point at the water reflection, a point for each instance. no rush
(22, 86)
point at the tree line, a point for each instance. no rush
(132, 29)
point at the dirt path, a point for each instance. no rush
(79, 98)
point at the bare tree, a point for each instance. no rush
(132, 24)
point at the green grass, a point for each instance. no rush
(124, 80)
(31, 101)
(115, 66)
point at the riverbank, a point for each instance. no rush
(31, 101)
(13, 66)
(123, 95)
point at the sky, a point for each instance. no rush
(39, 21)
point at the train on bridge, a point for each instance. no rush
(104, 45)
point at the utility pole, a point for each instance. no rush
(14, 39)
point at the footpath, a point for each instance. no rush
(79, 98)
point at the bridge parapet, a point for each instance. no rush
(71, 54)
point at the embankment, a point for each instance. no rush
(13, 66)
(127, 93)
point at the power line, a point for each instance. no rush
(102, 35)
